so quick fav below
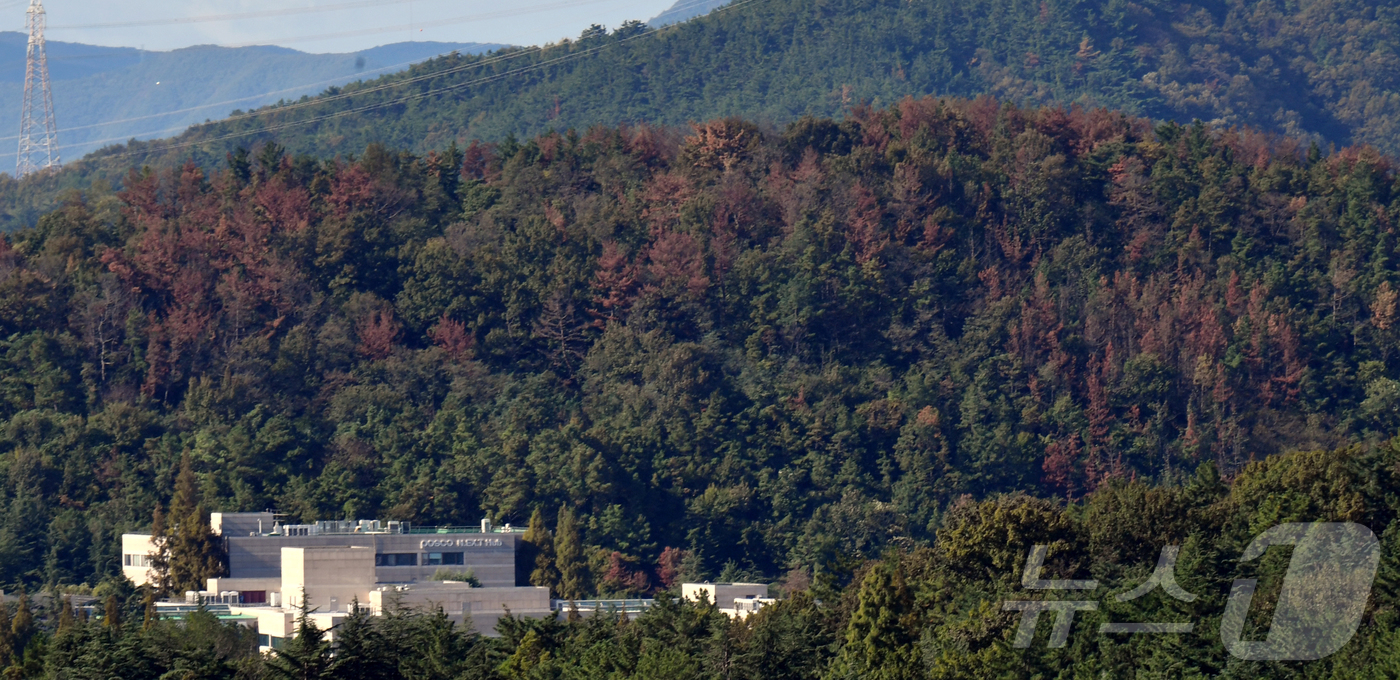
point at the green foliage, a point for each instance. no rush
(535, 555)
(914, 613)
(304, 657)
(197, 646)
(879, 635)
(763, 351)
(360, 651)
(574, 577)
(188, 552)
(468, 576)
(1305, 70)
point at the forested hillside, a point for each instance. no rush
(1321, 69)
(104, 95)
(761, 350)
(930, 612)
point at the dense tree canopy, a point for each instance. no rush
(932, 611)
(1321, 69)
(761, 351)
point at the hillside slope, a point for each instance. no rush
(1314, 69)
(95, 85)
(772, 349)
(685, 10)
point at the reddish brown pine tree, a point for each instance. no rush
(622, 578)
(378, 331)
(452, 336)
(668, 566)
(1061, 460)
(665, 195)
(478, 161)
(865, 230)
(676, 266)
(616, 284)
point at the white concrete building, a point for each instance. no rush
(403, 553)
(737, 600)
(329, 565)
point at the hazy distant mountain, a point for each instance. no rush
(686, 9)
(156, 94)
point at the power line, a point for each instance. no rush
(211, 105)
(485, 62)
(320, 100)
(232, 17)
(380, 88)
(402, 100)
(413, 97)
(499, 14)
(289, 107)
(516, 11)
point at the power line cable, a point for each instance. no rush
(499, 14)
(417, 96)
(421, 95)
(226, 102)
(320, 100)
(485, 62)
(288, 11)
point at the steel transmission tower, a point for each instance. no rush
(38, 148)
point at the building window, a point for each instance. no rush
(130, 560)
(434, 559)
(396, 560)
(253, 597)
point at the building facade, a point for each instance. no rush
(275, 570)
(735, 600)
(402, 553)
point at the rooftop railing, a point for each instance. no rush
(609, 606)
(353, 529)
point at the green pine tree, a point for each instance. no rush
(880, 636)
(160, 560)
(111, 613)
(193, 552)
(7, 636)
(22, 627)
(148, 603)
(307, 656)
(539, 555)
(360, 652)
(65, 613)
(568, 552)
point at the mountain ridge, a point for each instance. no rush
(777, 60)
(684, 10)
(94, 85)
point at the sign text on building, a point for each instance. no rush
(462, 543)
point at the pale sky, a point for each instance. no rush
(330, 26)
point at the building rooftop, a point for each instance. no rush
(270, 524)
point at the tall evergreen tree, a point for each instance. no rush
(111, 612)
(149, 617)
(65, 612)
(306, 656)
(359, 649)
(7, 636)
(538, 560)
(159, 568)
(568, 551)
(22, 627)
(188, 551)
(880, 635)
